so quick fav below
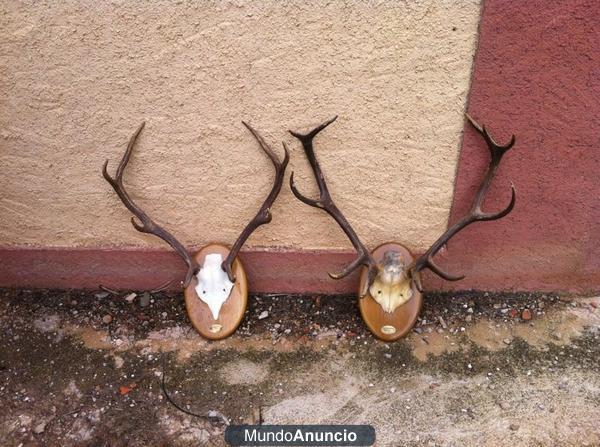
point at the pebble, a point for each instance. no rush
(514, 427)
(470, 310)
(442, 322)
(387, 356)
(39, 428)
(101, 295)
(129, 298)
(107, 319)
(468, 318)
(526, 315)
(505, 405)
(145, 300)
(507, 341)
(264, 314)
(119, 362)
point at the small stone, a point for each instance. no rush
(513, 313)
(101, 295)
(264, 314)
(129, 298)
(119, 362)
(505, 405)
(469, 318)
(39, 428)
(276, 325)
(387, 356)
(25, 420)
(145, 300)
(507, 341)
(442, 322)
(287, 331)
(107, 319)
(514, 427)
(541, 305)
(526, 315)
(470, 310)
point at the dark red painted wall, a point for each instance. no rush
(537, 75)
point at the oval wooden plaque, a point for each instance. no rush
(232, 311)
(389, 326)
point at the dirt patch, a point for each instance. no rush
(473, 372)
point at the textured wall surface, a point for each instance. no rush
(537, 75)
(78, 77)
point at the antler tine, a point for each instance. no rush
(147, 225)
(325, 202)
(264, 213)
(475, 213)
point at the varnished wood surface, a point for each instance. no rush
(233, 308)
(404, 317)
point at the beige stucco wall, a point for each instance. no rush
(77, 78)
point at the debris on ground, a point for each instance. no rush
(470, 373)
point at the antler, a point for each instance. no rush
(147, 225)
(326, 203)
(264, 213)
(475, 213)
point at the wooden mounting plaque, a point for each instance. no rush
(232, 311)
(395, 325)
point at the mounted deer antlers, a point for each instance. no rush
(217, 302)
(326, 203)
(148, 225)
(264, 213)
(390, 273)
(475, 214)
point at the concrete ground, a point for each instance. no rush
(84, 368)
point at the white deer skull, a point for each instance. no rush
(213, 285)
